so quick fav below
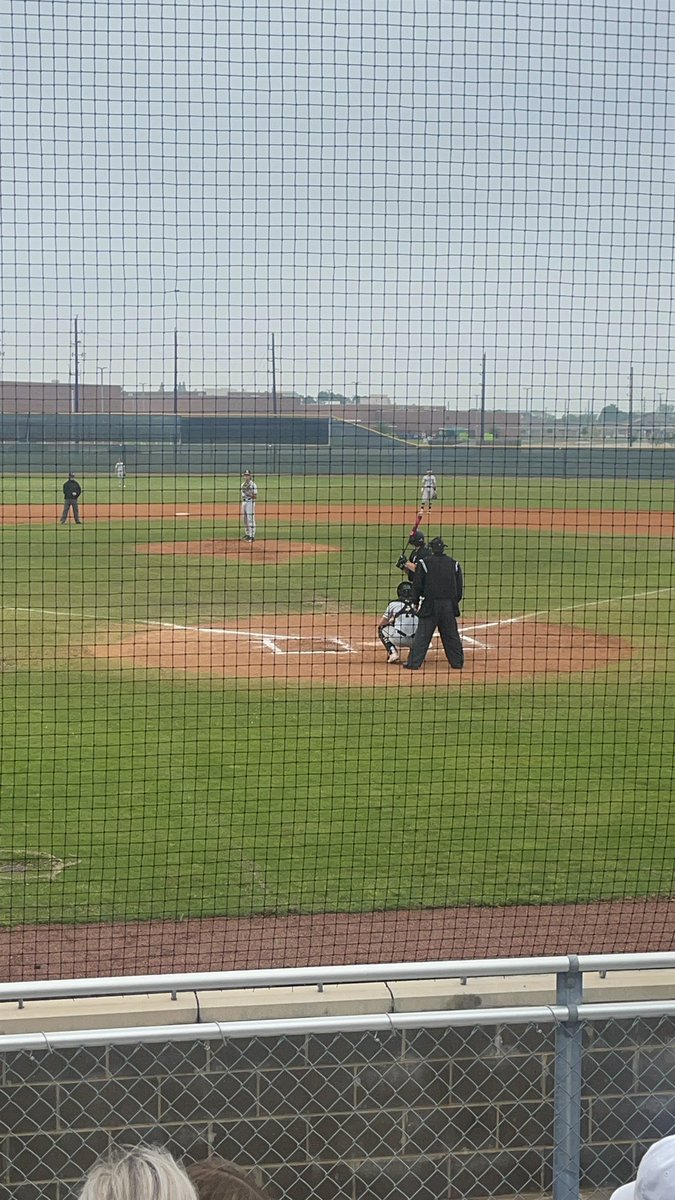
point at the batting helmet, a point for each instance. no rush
(437, 545)
(405, 591)
(416, 538)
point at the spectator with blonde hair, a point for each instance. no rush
(216, 1179)
(138, 1173)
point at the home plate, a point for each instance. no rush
(185, 514)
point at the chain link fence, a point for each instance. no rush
(420, 1114)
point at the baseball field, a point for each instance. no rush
(197, 727)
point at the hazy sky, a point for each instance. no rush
(391, 186)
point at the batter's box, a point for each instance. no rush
(283, 644)
(295, 644)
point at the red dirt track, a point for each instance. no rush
(583, 521)
(245, 943)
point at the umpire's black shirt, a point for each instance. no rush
(71, 490)
(438, 577)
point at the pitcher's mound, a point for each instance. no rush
(233, 549)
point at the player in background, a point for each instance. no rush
(121, 471)
(398, 625)
(429, 489)
(249, 495)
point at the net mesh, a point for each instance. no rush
(340, 247)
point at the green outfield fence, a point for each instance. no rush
(340, 247)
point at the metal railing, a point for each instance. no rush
(469, 1101)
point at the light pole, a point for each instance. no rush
(482, 402)
(99, 372)
(75, 398)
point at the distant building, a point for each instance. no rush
(37, 397)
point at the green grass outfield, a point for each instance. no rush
(185, 796)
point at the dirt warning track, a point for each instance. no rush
(614, 522)
(239, 943)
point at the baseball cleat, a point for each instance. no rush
(393, 656)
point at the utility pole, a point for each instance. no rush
(75, 401)
(99, 372)
(630, 408)
(175, 372)
(175, 388)
(482, 404)
(275, 405)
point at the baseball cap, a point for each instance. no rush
(655, 1178)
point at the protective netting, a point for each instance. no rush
(342, 247)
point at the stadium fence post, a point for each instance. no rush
(567, 1086)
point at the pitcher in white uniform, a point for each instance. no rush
(429, 492)
(249, 493)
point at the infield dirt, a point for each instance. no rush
(320, 650)
(581, 521)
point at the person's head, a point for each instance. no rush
(416, 539)
(71, 474)
(216, 1179)
(655, 1179)
(405, 590)
(248, 475)
(437, 545)
(137, 1173)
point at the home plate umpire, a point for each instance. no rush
(439, 585)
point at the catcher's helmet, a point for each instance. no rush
(405, 591)
(416, 538)
(437, 545)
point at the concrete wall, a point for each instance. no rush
(366, 454)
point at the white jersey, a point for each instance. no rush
(429, 487)
(249, 490)
(120, 469)
(405, 621)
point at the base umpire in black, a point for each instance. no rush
(439, 585)
(71, 497)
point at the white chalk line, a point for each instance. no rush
(270, 639)
(554, 612)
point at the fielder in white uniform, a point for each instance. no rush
(398, 625)
(120, 471)
(429, 493)
(249, 493)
